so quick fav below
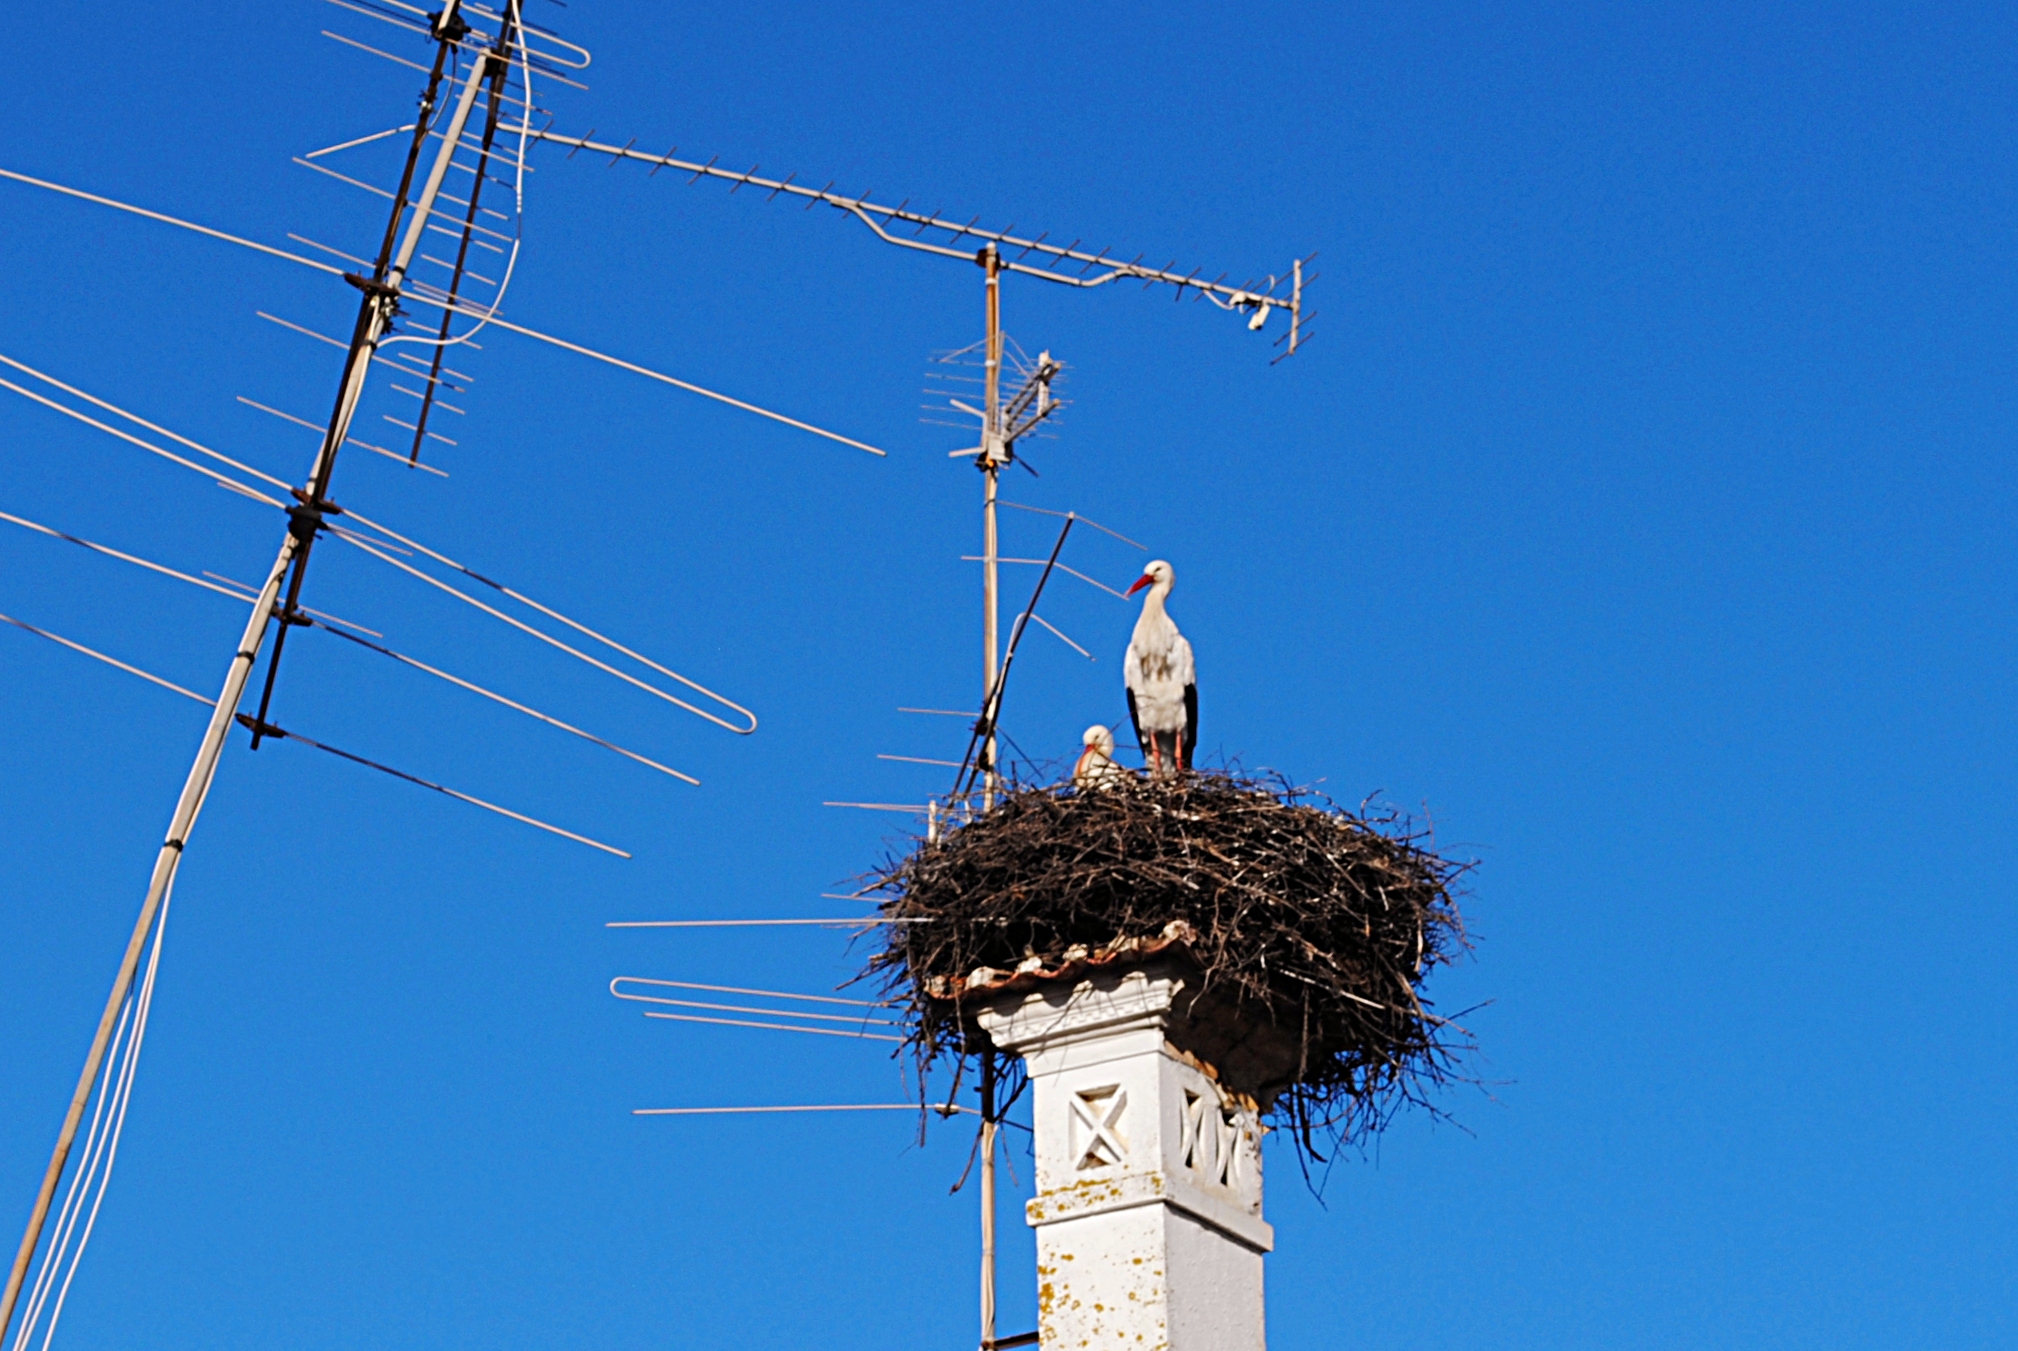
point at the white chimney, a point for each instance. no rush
(1148, 1206)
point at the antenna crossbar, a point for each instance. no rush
(1094, 269)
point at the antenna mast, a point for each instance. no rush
(382, 291)
(1063, 264)
(375, 314)
(994, 454)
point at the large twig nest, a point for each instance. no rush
(1310, 930)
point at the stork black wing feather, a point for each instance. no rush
(1190, 740)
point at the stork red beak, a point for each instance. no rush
(1140, 582)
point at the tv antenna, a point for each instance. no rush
(381, 292)
(514, 48)
(1003, 422)
(997, 252)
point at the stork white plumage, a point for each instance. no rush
(1096, 767)
(1162, 679)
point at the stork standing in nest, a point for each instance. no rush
(1162, 679)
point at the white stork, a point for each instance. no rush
(1162, 680)
(1096, 767)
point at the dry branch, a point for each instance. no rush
(1309, 926)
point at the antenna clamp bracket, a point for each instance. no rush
(371, 286)
(448, 24)
(303, 520)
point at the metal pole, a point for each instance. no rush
(987, 1201)
(194, 789)
(993, 455)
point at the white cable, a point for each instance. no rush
(105, 1150)
(124, 1098)
(142, 1005)
(93, 1175)
(518, 199)
(32, 1310)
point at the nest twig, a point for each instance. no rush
(1308, 922)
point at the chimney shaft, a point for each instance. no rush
(1148, 1206)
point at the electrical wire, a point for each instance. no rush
(123, 1101)
(38, 1293)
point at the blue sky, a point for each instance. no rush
(1639, 515)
